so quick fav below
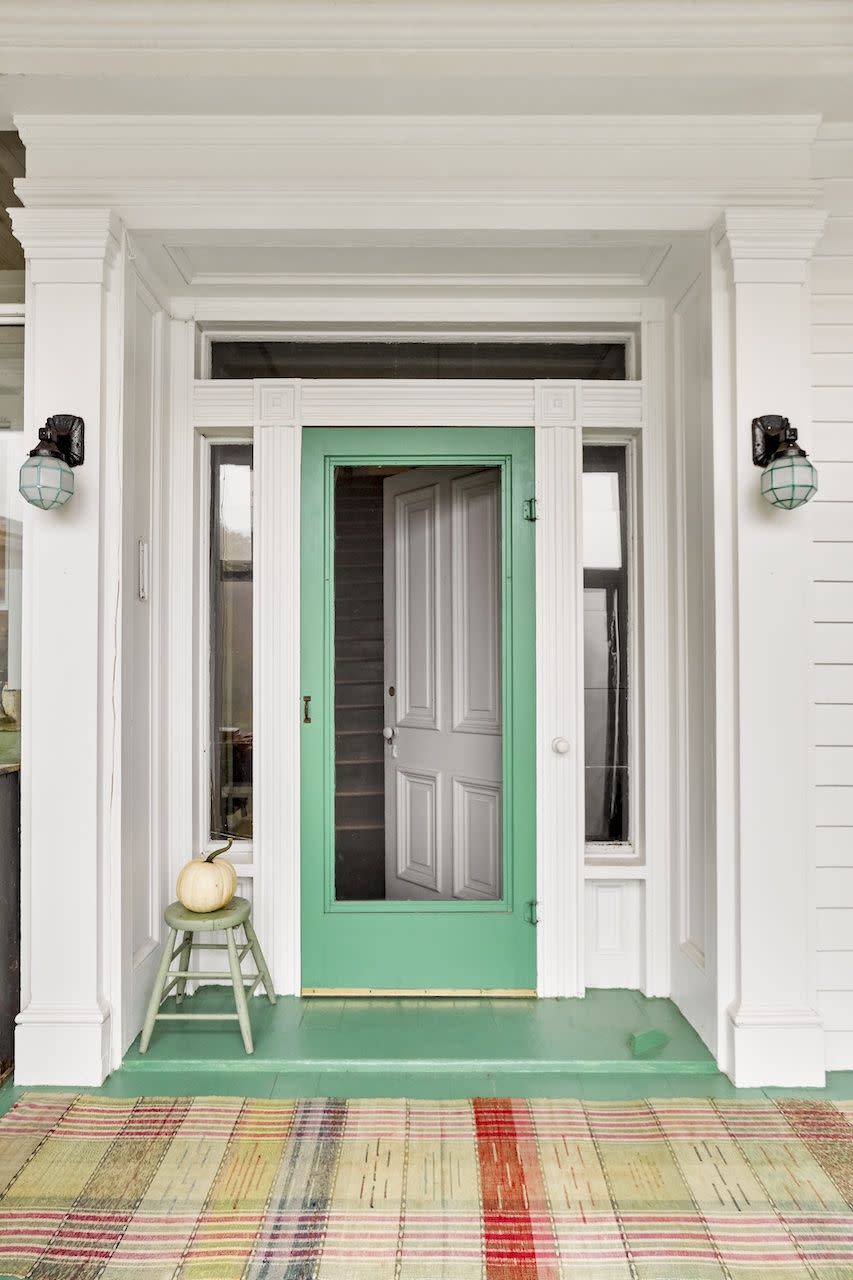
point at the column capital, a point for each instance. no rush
(770, 245)
(67, 235)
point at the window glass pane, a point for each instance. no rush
(418, 738)
(606, 614)
(12, 454)
(231, 640)
(599, 360)
(12, 378)
(602, 521)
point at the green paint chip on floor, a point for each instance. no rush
(645, 1044)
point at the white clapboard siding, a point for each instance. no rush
(833, 561)
(832, 602)
(832, 339)
(834, 808)
(834, 767)
(839, 1050)
(833, 642)
(833, 682)
(831, 442)
(833, 724)
(836, 478)
(833, 929)
(834, 847)
(831, 521)
(835, 971)
(836, 1009)
(831, 445)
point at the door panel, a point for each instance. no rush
(476, 839)
(411, 534)
(476, 603)
(442, 634)
(415, 855)
(463, 842)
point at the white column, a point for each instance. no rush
(70, 624)
(763, 669)
(278, 710)
(559, 682)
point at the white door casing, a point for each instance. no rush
(443, 796)
(276, 410)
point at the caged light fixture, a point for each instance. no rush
(47, 478)
(789, 479)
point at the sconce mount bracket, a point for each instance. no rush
(772, 434)
(62, 436)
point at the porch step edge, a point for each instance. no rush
(396, 1066)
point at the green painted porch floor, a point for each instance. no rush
(430, 1049)
(439, 1036)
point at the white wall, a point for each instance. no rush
(830, 441)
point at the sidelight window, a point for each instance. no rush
(231, 727)
(607, 674)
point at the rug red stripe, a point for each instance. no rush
(507, 1226)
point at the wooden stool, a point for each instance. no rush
(227, 919)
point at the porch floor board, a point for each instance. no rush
(436, 1036)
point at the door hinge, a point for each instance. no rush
(530, 509)
(141, 570)
(531, 912)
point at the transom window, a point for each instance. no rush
(488, 360)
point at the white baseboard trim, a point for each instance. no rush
(777, 1047)
(62, 1046)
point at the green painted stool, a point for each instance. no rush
(227, 919)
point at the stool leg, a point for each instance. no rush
(239, 992)
(183, 963)
(157, 993)
(259, 960)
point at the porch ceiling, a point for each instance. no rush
(388, 262)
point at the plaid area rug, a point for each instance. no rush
(329, 1189)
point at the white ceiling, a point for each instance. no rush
(392, 261)
(387, 263)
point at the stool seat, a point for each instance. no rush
(237, 914)
(180, 917)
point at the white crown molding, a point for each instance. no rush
(773, 233)
(833, 133)
(452, 131)
(770, 244)
(360, 26)
(67, 234)
(619, 204)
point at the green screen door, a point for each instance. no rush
(418, 733)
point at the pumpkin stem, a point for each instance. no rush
(216, 852)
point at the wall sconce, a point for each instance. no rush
(46, 478)
(789, 478)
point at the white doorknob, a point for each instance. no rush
(388, 733)
(560, 745)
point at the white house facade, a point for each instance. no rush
(662, 186)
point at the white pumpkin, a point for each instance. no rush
(206, 885)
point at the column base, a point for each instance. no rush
(776, 1047)
(62, 1046)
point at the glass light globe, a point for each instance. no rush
(46, 482)
(789, 480)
